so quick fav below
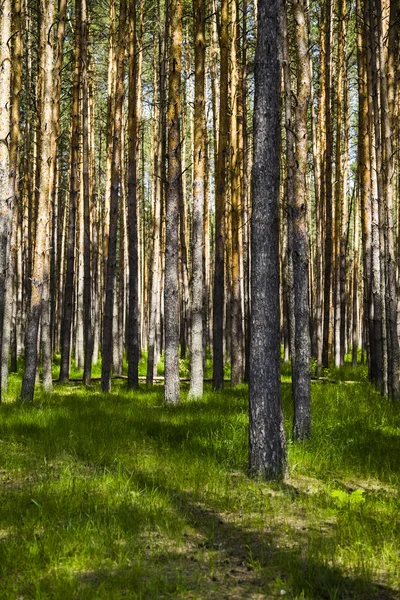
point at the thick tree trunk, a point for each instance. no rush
(267, 436)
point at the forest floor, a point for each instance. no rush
(118, 496)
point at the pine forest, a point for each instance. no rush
(200, 299)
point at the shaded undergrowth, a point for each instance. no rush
(113, 496)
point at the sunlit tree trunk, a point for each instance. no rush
(11, 303)
(328, 185)
(74, 187)
(355, 328)
(114, 206)
(301, 369)
(171, 297)
(156, 271)
(57, 203)
(364, 179)
(111, 90)
(384, 82)
(6, 182)
(235, 168)
(87, 200)
(41, 254)
(196, 382)
(133, 306)
(289, 195)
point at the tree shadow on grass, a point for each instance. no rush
(221, 557)
(265, 562)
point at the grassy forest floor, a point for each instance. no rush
(118, 496)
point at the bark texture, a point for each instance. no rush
(171, 296)
(302, 368)
(196, 381)
(267, 437)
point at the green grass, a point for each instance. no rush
(118, 496)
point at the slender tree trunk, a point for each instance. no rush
(235, 168)
(388, 191)
(196, 382)
(111, 90)
(289, 188)
(6, 182)
(267, 436)
(340, 195)
(328, 186)
(11, 291)
(171, 297)
(68, 304)
(155, 294)
(114, 205)
(355, 329)
(41, 254)
(220, 192)
(133, 307)
(87, 289)
(56, 196)
(301, 388)
(364, 174)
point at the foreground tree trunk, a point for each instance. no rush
(171, 296)
(196, 380)
(267, 436)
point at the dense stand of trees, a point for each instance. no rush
(208, 179)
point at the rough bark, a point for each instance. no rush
(220, 192)
(114, 206)
(41, 253)
(196, 381)
(267, 437)
(74, 186)
(155, 293)
(301, 377)
(235, 168)
(328, 187)
(6, 191)
(133, 307)
(171, 296)
(87, 288)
